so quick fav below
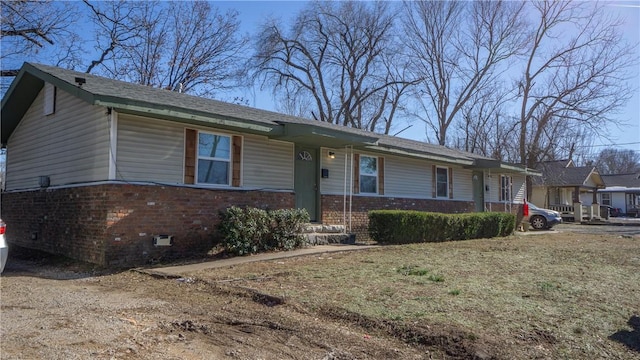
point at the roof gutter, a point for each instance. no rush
(496, 165)
(189, 117)
(422, 155)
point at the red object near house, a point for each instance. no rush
(525, 208)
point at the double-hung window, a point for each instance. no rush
(442, 182)
(368, 174)
(606, 198)
(214, 159)
(505, 188)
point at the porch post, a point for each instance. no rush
(577, 205)
(595, 207)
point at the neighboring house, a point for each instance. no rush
(622, 192)
(565, 187)
(97, 169)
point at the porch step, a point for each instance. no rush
(320, 234)
(324, 229)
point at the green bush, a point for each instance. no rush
(251, 230)
(286, 229)
(403, 227)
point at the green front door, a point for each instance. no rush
(306, 180)
(478, 190)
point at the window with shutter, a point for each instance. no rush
(212, 158)
(442, 182)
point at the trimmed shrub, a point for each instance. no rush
(403, 227)
(251, 230)
(286, 228)
(244, 231)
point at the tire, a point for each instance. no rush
(538, 222)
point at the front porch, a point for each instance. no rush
(587, 212)
(575, 203)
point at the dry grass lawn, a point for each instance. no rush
(562, 295)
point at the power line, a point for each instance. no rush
(630, 143)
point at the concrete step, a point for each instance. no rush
(323, 229)
(323, 234)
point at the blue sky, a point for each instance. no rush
(252, 13)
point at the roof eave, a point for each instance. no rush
(496, 165)
(188, 117)
(420, 155)
(23, 90)
(323, 136)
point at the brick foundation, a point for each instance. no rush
(114, 224)
(332, 209)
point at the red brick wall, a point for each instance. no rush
(332, 209)
(114, 224)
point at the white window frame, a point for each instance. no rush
(506, 189)
(446, 191)
(361, 174)
(606, 201)
(229, 161)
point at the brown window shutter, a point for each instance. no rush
(237, 161)
(356, 173)
(190, 141)
(450, 183)
(433, 181)
(380, 175)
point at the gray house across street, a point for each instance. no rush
(120, 174)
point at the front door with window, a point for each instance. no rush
(306, 180)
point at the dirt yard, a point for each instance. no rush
(545, 296)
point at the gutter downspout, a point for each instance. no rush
(344, 192)
(113, 141)
(348, 187)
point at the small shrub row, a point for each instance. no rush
(403, 227)
(251, 230)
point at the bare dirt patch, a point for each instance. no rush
(560, 295)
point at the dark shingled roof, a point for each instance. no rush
(562, 173)
(108, 92)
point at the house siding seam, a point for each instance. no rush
(114, 224)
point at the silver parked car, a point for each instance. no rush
(4, 249)
(543, 218)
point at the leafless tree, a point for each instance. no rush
(618, 161)
(340, 57)
(31, 26)
(118, 26)
(485, 127)
(574, 79)
(181, 46)
(457, 49)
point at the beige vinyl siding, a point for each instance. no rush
(493, 181)
(149, 150)
(403, 177)
(539, 196)
(519, 189)
(462, 184)
(590, 182)
(70, 146)
(267, 164)
(153, 150)
(334, 184)
(407, 177)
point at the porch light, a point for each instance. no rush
(332, 155)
